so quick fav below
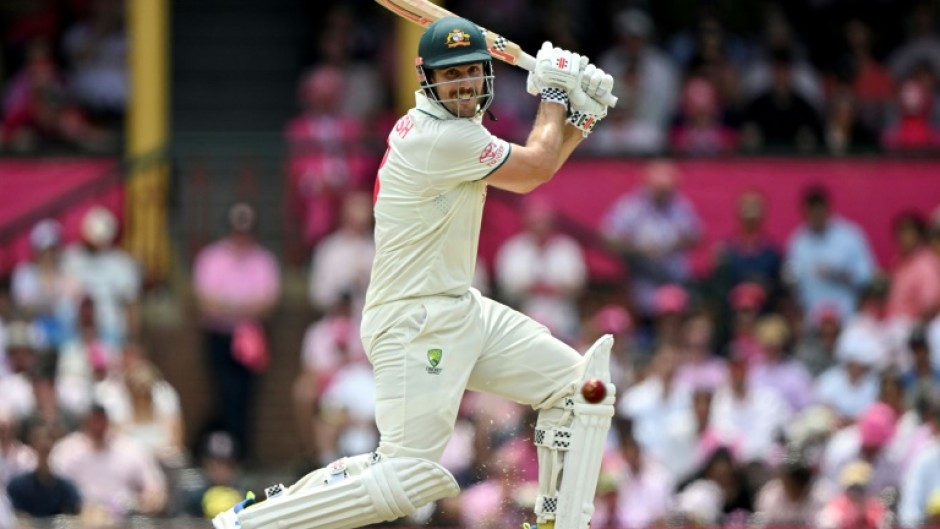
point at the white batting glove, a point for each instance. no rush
(536, 87)
(557, 68)
(586, 110)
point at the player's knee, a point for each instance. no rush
(404, 484)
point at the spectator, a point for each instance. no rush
(920, 46)
(15, 456)
(851, 385)
(144, 406)
(237, 284)
(653, 229)
(495, 500)
(42, 493)
(644, 486)
(871, 321)
(776, 369)
(736, 498)
(49, 412)
(747, 417)
(687, 437)
(16, 382)
(746, 302)
(342, 261)
(853, 507)
(923, 376)
(828, 258)
(95, 49)
(922, 479)
(647, 86)
(83, 360)
(115, 476)
(38, 114)
(347, 410)
(108, 274)
(915, 278)
(672, 304)
(700, 128)
(327, 157)
(542, 271)
(816, 346)
(220, 482)
(329, 344)
(867, 441)
(780, 38)
(699, 367)
(865, 76)
(779, 118)
(912, 125)
(42, 289)
(844, 130)
(792, 498)
(654, 399)
(749, 254)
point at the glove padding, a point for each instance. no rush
(554, 68)
(586, 110)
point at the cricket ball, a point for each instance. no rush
(593, 390)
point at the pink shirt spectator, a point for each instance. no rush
(709, 373)
(248, 276)
(915, 285)
(115, 479)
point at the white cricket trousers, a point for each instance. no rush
(429, 351)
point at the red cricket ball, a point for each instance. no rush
(593, 390)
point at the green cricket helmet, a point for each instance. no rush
(454, 41)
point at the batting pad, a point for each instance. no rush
(341, 498)
(570, 440)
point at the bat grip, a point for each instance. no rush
(527, 62)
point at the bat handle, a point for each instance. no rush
(527, 62)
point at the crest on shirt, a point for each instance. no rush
(457, 38)
(492, 153)
(434, 358)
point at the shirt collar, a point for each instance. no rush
(437, 110)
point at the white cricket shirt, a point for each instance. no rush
(429, 204)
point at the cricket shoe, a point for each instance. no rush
(550, 524)
(229, 519)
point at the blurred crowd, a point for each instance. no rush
(796, 383)
(63, 76)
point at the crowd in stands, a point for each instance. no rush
(797, 383)
(63, 77)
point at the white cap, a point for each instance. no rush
(856, 344)
(99, 226)
(45, 234)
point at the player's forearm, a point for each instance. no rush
(550, 137)
(572, 137)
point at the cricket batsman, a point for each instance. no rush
(428, 334)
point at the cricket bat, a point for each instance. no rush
(424, 12)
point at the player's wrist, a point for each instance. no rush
(554, 95)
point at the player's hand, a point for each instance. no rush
(595, 82)
(586, 109)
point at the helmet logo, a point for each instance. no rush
(457, 38)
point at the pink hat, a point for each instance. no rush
(877, 425)
(747, 295)
(612, 319)
(671, 299)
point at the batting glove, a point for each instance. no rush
(557, 68)
(586, 110)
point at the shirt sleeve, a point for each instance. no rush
(466, 152)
